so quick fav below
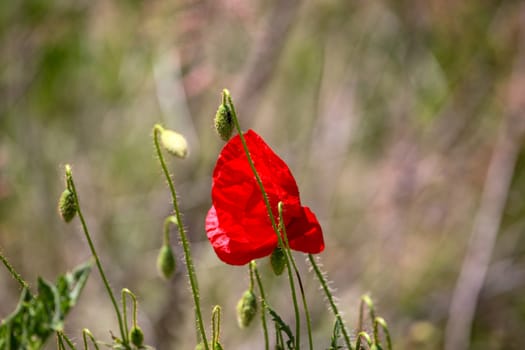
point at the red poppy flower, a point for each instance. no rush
(238, 225)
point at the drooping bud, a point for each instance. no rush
(278, 260)
(246, 309)
(166, 261)
(224, 122)
(174, 143)
(67, 206)
(136, 336)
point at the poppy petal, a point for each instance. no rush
(234, 246)
(238, 225)
(305, 233)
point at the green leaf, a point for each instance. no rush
(281, 326)
(37, 317)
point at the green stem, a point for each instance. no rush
(289, 253)
(366, 300)
(14, 274)
(71, 186)
(216, 324)
(184, 239)
(169, 220)
(227, 96)
(330, 298)
(263, 310)
(86, 333)
(360, 335)
(68, 341)
(125, 292)
(279, 337)
(60, 342)
(382, 322)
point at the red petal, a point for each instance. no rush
(233, 244)
(305, 233)
(238, 225)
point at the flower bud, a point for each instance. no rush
(166, 261)
(136, 336)
(174, 143)
(246, 309)
(278, 260)
(67, 206)
(224, 122)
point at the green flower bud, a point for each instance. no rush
(218, 346)
(246, 309)
(174, 143)
(278, 260)
(166, 261)
(136, 336)
(67, 206)
(224, 122)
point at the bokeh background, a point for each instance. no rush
(401, 120)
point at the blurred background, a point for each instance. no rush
(401, 121)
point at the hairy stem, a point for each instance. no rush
(330, 298)
(184, 239)
(263, 300)
(227, 97)
(13, 273)
(71, 186)
(289, 253)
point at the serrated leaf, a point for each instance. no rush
(37, 317)
(282, 326)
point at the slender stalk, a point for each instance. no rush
(330, 298)
(289, 253)
(169, 220)
(227, 97)
(85, 334)
(216, 324)
(380, 321)
(63, 336)
(13, 273)
(183, 237)
(361, 335)
(72, 188)
(60, 342)
(279, 337)
(263, 310)
(125, 292)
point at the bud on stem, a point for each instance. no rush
(246, 309)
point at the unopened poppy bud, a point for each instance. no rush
(67, 206)
(166, 261)
(136, 336)
(246, 309)
(278, 261)
(174, 143)
(224, 122)
(218, 346)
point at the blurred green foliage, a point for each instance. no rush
(387, 112)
